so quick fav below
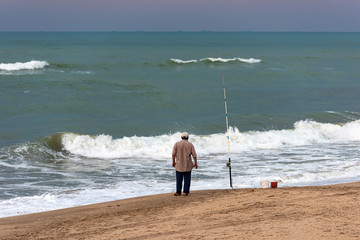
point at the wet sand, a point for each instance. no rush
(322, 212)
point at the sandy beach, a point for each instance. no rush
(321, 212)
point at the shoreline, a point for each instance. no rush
(315, 212)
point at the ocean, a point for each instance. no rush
(92, 117)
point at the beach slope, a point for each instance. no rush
(324, 212)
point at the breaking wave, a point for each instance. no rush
(216, 60)
(23, 65)
(304, 133)
(226, 60)
(104, 146)
(179, 61)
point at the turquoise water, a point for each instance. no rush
(123, 84)
(89, 111)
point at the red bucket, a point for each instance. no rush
(273, 184)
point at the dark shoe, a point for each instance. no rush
(177, 194)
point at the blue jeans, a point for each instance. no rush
(179, 179)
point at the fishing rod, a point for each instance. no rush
(227, 130)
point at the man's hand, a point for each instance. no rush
(196, 166)
(173, 160)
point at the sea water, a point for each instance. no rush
(92, 117)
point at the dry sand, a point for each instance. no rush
(326, 212)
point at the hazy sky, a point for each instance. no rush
(179, 15)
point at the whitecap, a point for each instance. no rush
(179, 61)
(226, 60)
(216, 60)
(23, 65)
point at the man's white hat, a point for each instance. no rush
(184, 135)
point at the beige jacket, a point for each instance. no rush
(182, 151)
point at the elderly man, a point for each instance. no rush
(181, 161)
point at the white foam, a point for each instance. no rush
(225, 60)
(304, 133)
(105, 147)
(23, 65)
(215, 60)
(182, 61)
(308, 177)
(72, 198)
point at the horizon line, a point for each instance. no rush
(179, 31)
